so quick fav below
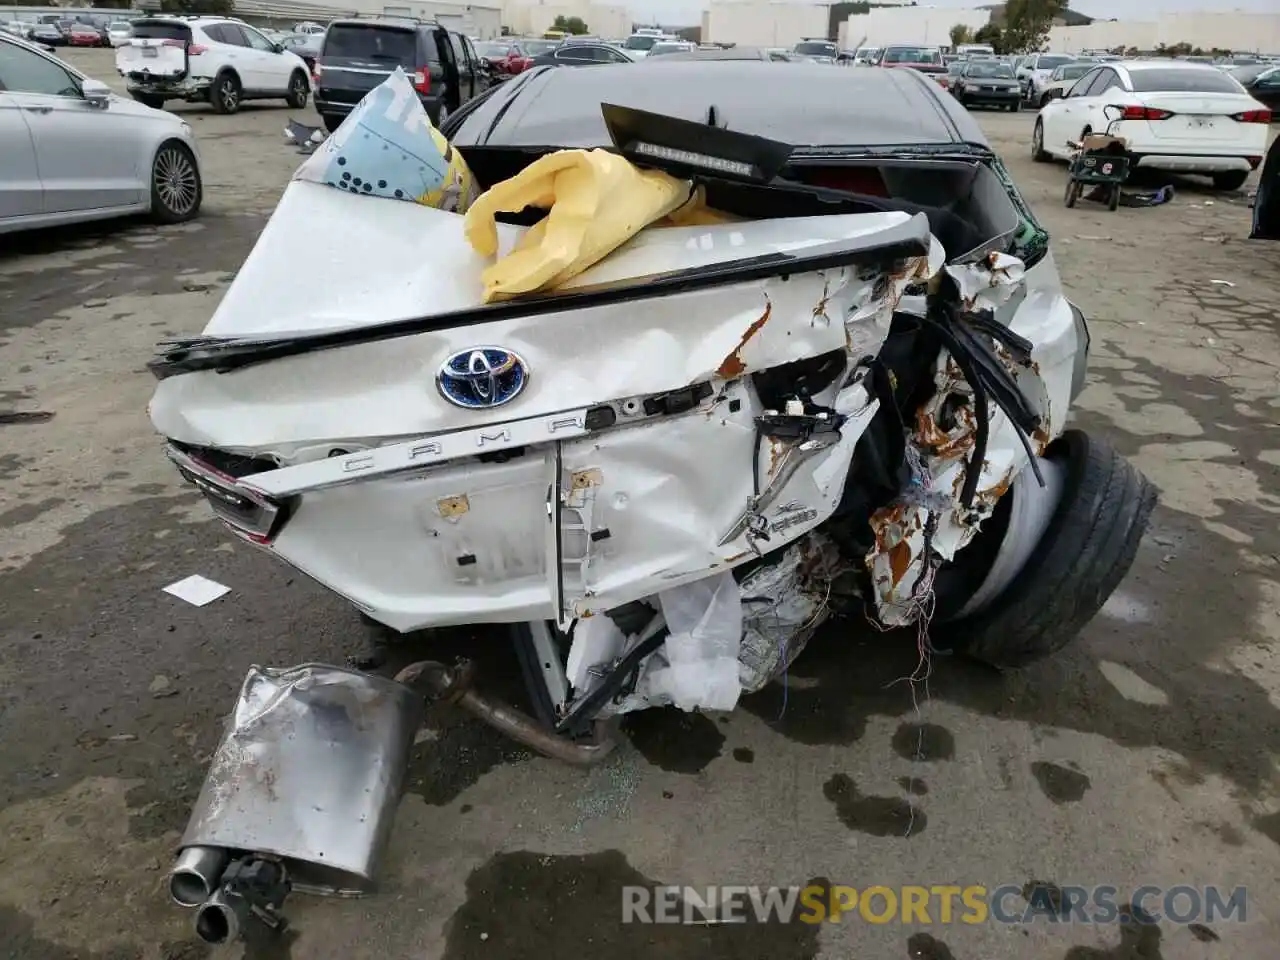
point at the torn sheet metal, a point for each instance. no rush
(989, 284)
(927, 523)
(310, 768)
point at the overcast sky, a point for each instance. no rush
(689, 12)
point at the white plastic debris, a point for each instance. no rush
(597, 642)
(197, 590)
(705, 619)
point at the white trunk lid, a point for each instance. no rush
(1199, 116)
(162, 59)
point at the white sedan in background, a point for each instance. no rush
(71, 151)
(1176, 116)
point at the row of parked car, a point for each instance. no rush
(55, 31)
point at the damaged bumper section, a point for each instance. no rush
(664, 445)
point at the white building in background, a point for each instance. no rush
(478, 18)
(924, 25)
(764, 23)
(1242, 32)
(531, 18)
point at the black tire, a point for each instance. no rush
(1072, 194)
(1038, 152)
(176, 187)
(1231, 180)
(1085, 552)
(224, 93)
(331, 122)
(149, 100)
(1113, 201)
(299, 88)
(1015, 106)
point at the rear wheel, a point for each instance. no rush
(176, 188)
(1038, 153)
(1113, 202)
(1072, 194)
(224, 95)
(1083, 554)
(149, 100)
(1231, 180)
(298, 90)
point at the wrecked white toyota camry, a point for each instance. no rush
(661, 467)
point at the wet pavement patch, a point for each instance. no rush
(1268, 826)
(1060, 784)
(914, 786)
(924, 741)
(1139, 940)
(26, 512)
(877, 816)
(1202, 933)
(923, 946)
(1044, 898)
(532, 906)
(19, 942)
(463, 752)
(674, 740)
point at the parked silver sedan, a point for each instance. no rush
(71, 150)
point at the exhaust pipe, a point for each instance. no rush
(196, 875)
(221, 918)
(453, 685)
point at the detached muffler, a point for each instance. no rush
(300, 795)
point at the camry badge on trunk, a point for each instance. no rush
(482, 377)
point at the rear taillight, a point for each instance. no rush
(195, 49)
(422, 79)
(252, 515)
(1253, 116)
(316, 72)
(1145, 113)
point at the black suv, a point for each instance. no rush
(359, 54)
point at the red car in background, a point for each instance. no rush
(83, 35)
(505, 56)
(927, 60)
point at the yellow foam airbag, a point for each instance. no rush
(596, 200)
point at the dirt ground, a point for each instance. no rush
(1145, 754)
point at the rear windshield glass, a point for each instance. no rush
(160, 30)
(536, 48)
(1049, 62)
(817, 49)
(372, 43)
(1188, 81)
(990, 68)
(1074, 71)
(640, 43)
(912, 55)
(493, 49)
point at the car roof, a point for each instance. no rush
(1137, 66)
(552, 107)
(404, 23)
(719, 53)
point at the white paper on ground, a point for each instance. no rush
(197, 590)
